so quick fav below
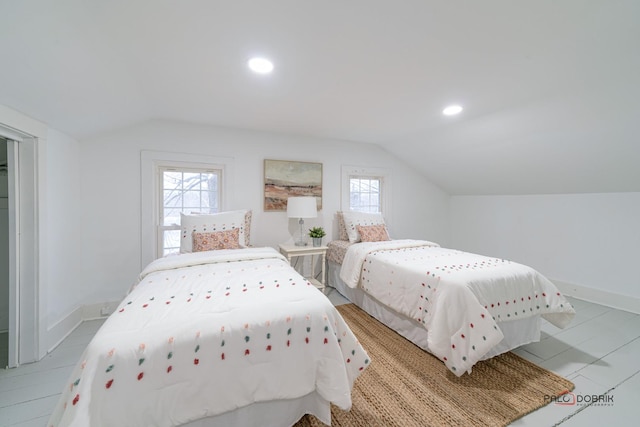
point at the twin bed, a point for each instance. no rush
(459, 306)
(233, 335)
(219, 337)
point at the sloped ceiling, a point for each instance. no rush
(550, 89)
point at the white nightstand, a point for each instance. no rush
(291, 251)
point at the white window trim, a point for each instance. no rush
(362, 171)
(150, 162)
(160, 169)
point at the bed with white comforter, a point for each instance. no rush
(460, 298)
(205, 334)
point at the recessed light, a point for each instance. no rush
(260, 65)
(452, 110)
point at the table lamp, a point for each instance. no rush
(301, 207)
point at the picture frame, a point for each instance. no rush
(286, 178)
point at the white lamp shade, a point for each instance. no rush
(302, 207)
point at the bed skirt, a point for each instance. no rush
(276, 413)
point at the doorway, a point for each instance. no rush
(22, 176)
(4, 255)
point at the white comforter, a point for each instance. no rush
(459, 297)
(210, 332)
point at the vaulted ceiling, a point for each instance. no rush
(550, 89)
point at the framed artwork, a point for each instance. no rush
(284, 179)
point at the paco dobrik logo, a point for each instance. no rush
(572, 399)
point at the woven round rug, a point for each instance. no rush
(407, 386)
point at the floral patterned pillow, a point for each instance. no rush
(353, 219)
(247, 228)
(373, 233)
(205, 223)
(342, 228)
(228, 239)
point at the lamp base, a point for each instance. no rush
(301, 241)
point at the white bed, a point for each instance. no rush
(516, 333)
(215, 338)
(459, 306)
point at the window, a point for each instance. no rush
(366, 190)
(184, 191)
(364, 194)
(178, 182)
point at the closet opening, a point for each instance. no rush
(19, 248)
(4, 254)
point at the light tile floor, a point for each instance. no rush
(599, 352)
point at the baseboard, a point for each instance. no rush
(61, 329)
(99, 311)
(598, 296)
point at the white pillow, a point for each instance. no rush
(210, 222)
(353, 219)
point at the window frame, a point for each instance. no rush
(152, 162)
(362, 172)
(369, 178)
(161, 227)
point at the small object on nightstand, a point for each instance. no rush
(317, 233)
(291, 251)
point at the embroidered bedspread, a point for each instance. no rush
(459, 297)
(202, 334)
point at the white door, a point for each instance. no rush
(27, 263)
(23, 251)
(4, 251)
(14, 336)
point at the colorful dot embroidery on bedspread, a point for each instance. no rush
(246, 350)
(459, 297)
(172, 338)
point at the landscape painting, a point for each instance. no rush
(284, 179)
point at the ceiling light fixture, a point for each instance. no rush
(260, 65)
(452, 110)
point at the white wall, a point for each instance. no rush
(111, 192)
(62, 241)
(588, 240)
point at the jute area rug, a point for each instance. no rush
(406, 386)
